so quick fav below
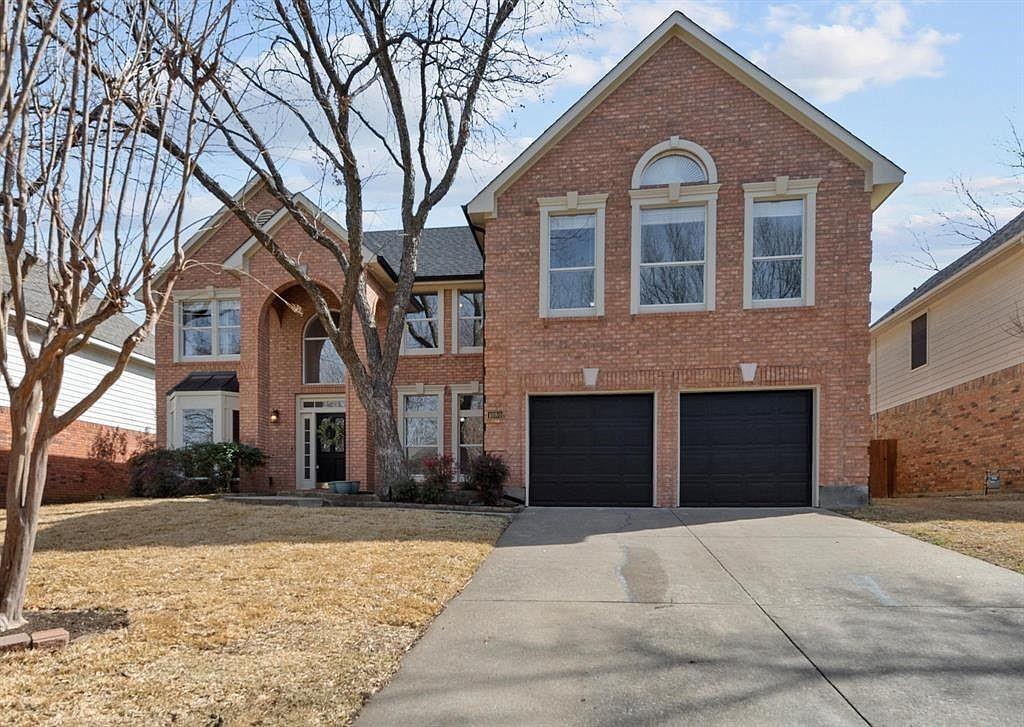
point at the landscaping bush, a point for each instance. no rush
(198, 469)
(487, 475)
(217, 463)
(439, 472)
(405, 489)
(157, 472)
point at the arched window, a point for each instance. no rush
(321, 363)
(263, 217)
(673, 168)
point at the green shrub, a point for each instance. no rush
(157, 472)
(405, 489)
(487, 475)
(198, 469)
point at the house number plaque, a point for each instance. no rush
(495, 415)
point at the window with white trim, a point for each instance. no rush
(470, 320)
(423, 324)
(201, 417)
(209, 327)
(671, 168)
(469, 429)
(421, 414)
(572, 255)
(321, 363)
(672, 247)
(779, 243)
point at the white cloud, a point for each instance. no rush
(862, 46)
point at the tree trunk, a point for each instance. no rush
(390, 455)
(25, 480)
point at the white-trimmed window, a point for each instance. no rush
(572, 255)
(467, 425)
(195, 417)
(779, 243)
(420, 411)
(208, 325)
(469, 321)
(674, 199)
(423, 329)
(321, 363)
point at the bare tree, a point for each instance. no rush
(421, 80)
(89, 204)
(976, 220)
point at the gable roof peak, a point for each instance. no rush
(882, 176)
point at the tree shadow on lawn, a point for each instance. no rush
(196, 522)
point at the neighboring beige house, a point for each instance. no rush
(947, 372)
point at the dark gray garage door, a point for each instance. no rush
(745, 448)
(592, 450)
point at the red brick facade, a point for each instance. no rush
(947, 441)
(86, 461)
(677, 92)
(269, 368)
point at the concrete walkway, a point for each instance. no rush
(725, 617)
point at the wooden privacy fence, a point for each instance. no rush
(882, 475)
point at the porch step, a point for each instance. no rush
(275, 500)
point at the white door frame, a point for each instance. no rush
(332, 404)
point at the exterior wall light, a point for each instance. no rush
(274, 416)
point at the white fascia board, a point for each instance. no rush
(882, 176)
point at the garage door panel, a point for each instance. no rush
(745, 448)
(591, 450)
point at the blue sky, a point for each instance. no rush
(932, 85)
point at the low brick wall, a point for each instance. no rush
(87, 461)
(948, 440)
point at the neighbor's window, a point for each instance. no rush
(571, 257)
(778, 250)
(672, 255)
(210, 327)
(919, 341)
(321, 362)
(196, 426)
(421, 430)
(422, 323)
(673, 168)
(471, 320)
(470, 413)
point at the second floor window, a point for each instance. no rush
(571, 262)
(210, 328)
(321, 363)
(672, 256)
(778, 254)
(422, 324)
(471, 320)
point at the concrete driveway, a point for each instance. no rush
(616, 616)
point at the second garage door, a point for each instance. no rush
(592, 450)
(749, 448)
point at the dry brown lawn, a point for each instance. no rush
(988, 527)
(237, 614)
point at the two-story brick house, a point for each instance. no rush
(677, 283)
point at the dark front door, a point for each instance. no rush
(592, 450)
(745, 448)
(330, 447)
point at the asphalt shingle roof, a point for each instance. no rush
(445, 252)
(113, 330)
(1002, 236)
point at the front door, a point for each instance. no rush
(330, 447)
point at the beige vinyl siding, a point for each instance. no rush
(967, 335)
(129, 404)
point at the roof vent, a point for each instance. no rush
(263, 217)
